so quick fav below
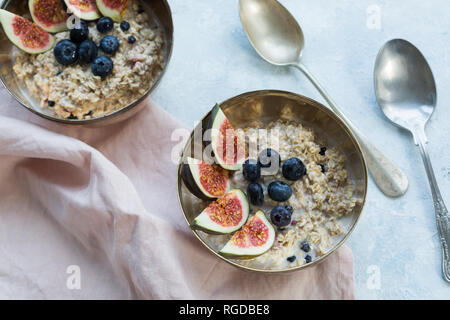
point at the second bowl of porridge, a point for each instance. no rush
(137, 45)
(289, 199)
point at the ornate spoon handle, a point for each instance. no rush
(442, 216)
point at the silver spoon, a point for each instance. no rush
(406, 92)
(277, 37)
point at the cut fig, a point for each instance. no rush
(225, 215)
(228, 148)
(50, 15)
(25, 34)
(206, 181)
(115, 9)
(256, 237)
(83, 9)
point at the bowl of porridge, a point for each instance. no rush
(75, 93)
(306, 207)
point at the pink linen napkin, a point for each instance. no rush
(112, 193)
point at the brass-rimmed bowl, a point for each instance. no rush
(267, 106)
(160, 13)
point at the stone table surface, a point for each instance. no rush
(396, 250)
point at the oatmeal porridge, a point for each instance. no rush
(321, 199)
(73, 91)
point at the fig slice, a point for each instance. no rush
(225, 215)
(50, 15)
(115, 9)
(83, 9)
(206, 181)
(25, 34)
(256, 237)
(228, 148)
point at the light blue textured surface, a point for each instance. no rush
(213, 61)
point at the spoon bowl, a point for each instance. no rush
(272, 31)
(404, 84)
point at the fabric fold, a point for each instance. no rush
(113, 189)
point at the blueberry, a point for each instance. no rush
(279, 191)
(131, 39)
(66, 52)
(289, 208)
(125, 26)
(322, 151)
(280, 216)
(269, 157)
(102, 66)
(51, 103)
(322, 167)
(105, 24)
(291, 259)
(72, 117)
(79, 34)
(88, 51)
(305, 246)
(109, 44)
(255, 194)
(251, 170)
(308, 258)
(293, 169)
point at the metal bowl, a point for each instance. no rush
(270, 105)
(159, 10)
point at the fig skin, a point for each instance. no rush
(115, 14)
(189, 181)
(8, 21)
(55, 27)
(207, 125)
(235, 252)
(208, 140)
(93, 14)
(195, 225)
(191, 175)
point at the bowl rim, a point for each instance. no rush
(117, 112)
(337, 118)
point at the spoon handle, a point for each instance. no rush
(390, 179)
(442, 216)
